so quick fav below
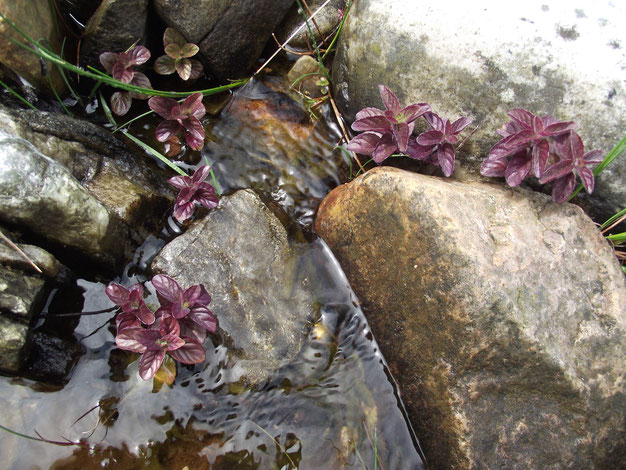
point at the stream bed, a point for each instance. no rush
(335, 406)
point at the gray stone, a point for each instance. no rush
(114, 27)
(50, 357)
(500, 313)
(37, 20)
(326, 23)
(48, 264)
(42, 196)
(231, 34)
(20, 293)
(117, 177)
(481, 59)
(13, 339)
(309, 85)
(241, 253)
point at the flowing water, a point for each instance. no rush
(334, 406)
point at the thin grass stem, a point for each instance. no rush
(343, 20)
(283, 450)
(154, 152)
(17, 95)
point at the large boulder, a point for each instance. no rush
(241, 253)
(501, 315)
(41, 197)
(481, 59)
(231, 34)
(36, 19)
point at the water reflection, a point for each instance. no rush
(327, 409)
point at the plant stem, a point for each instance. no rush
(17, 95)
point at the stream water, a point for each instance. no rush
(335, 406)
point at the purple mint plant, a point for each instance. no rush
(524, 145)
(122, 67)
(179, 117)
(131, 301)
(437, 145)
(569, 147)
(155, 342)
(384, 132)
(190, 304)
(193, 190)
(177, 59)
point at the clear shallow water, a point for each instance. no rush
(333, 407)
(326, 409)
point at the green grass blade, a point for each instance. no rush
(56, 95)
(154, 152)
(613, 219)
(336, 36)
(612, 155)
(121, 126)
(17, 95)
(617, 237)
(107, 111)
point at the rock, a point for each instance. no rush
(241, 253)
(48, 264)
(117, 177)
(36, 20)
(486, 58)
(309, 85)
(77, 10)
(42, 196)
(51, 358)
(13, 339)
(20, 294)
(326, 22)
(114, 27)
(231, 34)
(500, 313)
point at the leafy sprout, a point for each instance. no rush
(177, 58)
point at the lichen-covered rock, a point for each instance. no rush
(501, 315)
(118, 178)
(41, 196)
(114, 27)
(481, 59)
(49, 265)
(241, 253)
(36, 19)
(231, 34)
(20, 294)
(13, 339)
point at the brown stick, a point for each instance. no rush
(17, 248)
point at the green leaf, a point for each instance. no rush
(171, 36)
(164, 65)
(189, 50)
(154, 152)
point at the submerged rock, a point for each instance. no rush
(42, 197)
(483, 59)
(231, 35)
(241, 253)
(501, 315)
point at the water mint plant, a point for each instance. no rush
(525, 145)
(122, 67)
(437, 145)
(193, 190)
(177, 328)
(385, 132)
(571, 150)
(178, 57)
(179, 117)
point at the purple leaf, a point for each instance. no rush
(127, 340)
(460, 124)
(142, 81)
(493, 167)
(180, 182)
(183, 211)
(193, 133)
(196, 69)
(120, 102)
(413, 111)
(523, 117)
(201, 173)
(541, 152)
(122, 73)
(364, 143)
(434, 121)
(445, 155)
(593, 157)
(559, 128)
(162, 106)
(563, 188)
(518, 168)
(557, 170)
(586, 175)
(188, 50)
(206, 196)
(417, 151)
(166, 129)
(385, 148)
(401, 132)
(192, 106)
(190, 329)
(108, 60)
(203, 317)
(138, 55)
(390, 100)
(430, 138)
(190, 353)
(147, 338)
(372, 123)
(368, 112)
(167, 287)
(117, 293)
(150, 363)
